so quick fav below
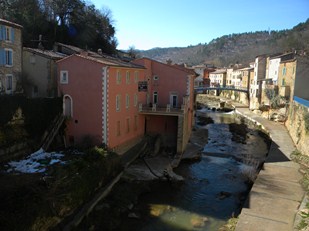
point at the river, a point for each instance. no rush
(215, 186)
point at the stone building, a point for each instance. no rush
(10, 57)
(40, 72)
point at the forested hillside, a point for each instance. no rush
(73, 22)
(236, 48)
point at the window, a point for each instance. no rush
(64, 77)
(283, 82)
(155, 97)
(135, 100)
(8, 33)
(173, 100)
(117, 102)
(8, 57)
(128, 125)
(127, 101)
(127, 77)
(118, 77)
(284, 71)
(118, 128)
(135, 123)
(136, 76)
(9, 82)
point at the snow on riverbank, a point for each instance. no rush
(37, 162)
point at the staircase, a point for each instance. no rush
(52, 131)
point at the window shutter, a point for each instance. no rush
(2, 57)
(12, 34)
(1, 32)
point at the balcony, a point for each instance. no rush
(157, 109)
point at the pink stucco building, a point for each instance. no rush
(116, 103)
(100, 99)
(169, 109)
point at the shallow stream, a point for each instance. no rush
(215, 186)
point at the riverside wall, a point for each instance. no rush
(297, 124)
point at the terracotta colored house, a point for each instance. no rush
(169, 109)
(101, 98)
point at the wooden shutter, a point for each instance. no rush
(2, 57)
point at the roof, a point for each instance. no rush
(106, 60)
(8, 23)
(45, 53)
(220, 71)
(70, 47)
(175, 66)
(246, 69)
(284, 56)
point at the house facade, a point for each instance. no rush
(257, 80)
(286, 78)
(100, 100)
(218, 78)
(169, 108)
(10, 57)
(40, 72)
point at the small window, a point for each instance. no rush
(155, 97)
(155, 77)
(135, 100)
(64, 77)
(117, 102)
(8, 57)
(283, 82)
(136, 76)
(127, 77)
(284, 71)
(9, 82)
(127, 101)
(118, 77)
(8, 33)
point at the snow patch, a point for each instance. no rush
(36, 162)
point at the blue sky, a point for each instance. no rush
(146, 24)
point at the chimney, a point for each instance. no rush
(169, 62)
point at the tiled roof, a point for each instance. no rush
(107, 60)
(179, 67)
(46, 53)
(73, 48)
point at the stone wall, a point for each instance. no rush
(296, 125)
(240, 97)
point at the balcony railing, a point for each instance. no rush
(165, 109)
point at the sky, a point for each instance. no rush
(146, 24)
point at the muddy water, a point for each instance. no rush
(214, 188)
